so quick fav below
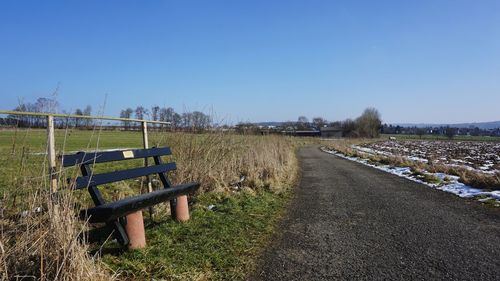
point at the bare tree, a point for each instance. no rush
(200, 120)
(168, 115)
(420, 132)
(349, 128)
(78, 121)
(163, 114)
(140, 111)
(319, 122)
(170, 112)
(64, 122)
(45, 105)
(126, 113)
(22, 121)
(155, 113)
(88, 112)
(450, 132)
(302, 122)
(176, 120)
(187, 119)
(369, 123)
(336, 124)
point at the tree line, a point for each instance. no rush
(47, 105)
(448, 131)
(367, 125)
(196, 120)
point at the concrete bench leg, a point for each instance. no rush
(182, 209)
(135, 231)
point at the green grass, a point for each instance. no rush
(219, 244)
(22, 151)
(435, 137)
(70, 140)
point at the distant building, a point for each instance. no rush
(331, 132)
(302, 133)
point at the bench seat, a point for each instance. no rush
(113, 210)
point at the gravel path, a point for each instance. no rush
(349, 221)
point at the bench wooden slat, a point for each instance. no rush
(112, 213)
(98, 179)
(108, 156)
(114, 210)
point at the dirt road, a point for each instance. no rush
(352, 222)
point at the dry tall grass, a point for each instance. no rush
(44, 245)
(218, 160)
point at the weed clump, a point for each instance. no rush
(42, 243)
(218, 160)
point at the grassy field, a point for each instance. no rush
(221, 243)
(23, 152)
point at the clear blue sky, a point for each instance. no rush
(416, 61)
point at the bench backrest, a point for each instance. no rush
(89, 179)
(115, 155)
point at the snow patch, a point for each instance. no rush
(451, 183)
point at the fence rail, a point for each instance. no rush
(58, 115)
(51, 152)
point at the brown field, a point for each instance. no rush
(475, 163)
(483, 157)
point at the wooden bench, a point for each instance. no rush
(113, 213)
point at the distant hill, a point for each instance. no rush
(480, 125)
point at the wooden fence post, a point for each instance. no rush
(145, 142)
(51, 153)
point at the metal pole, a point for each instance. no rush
(145, 141)
(51, 153)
